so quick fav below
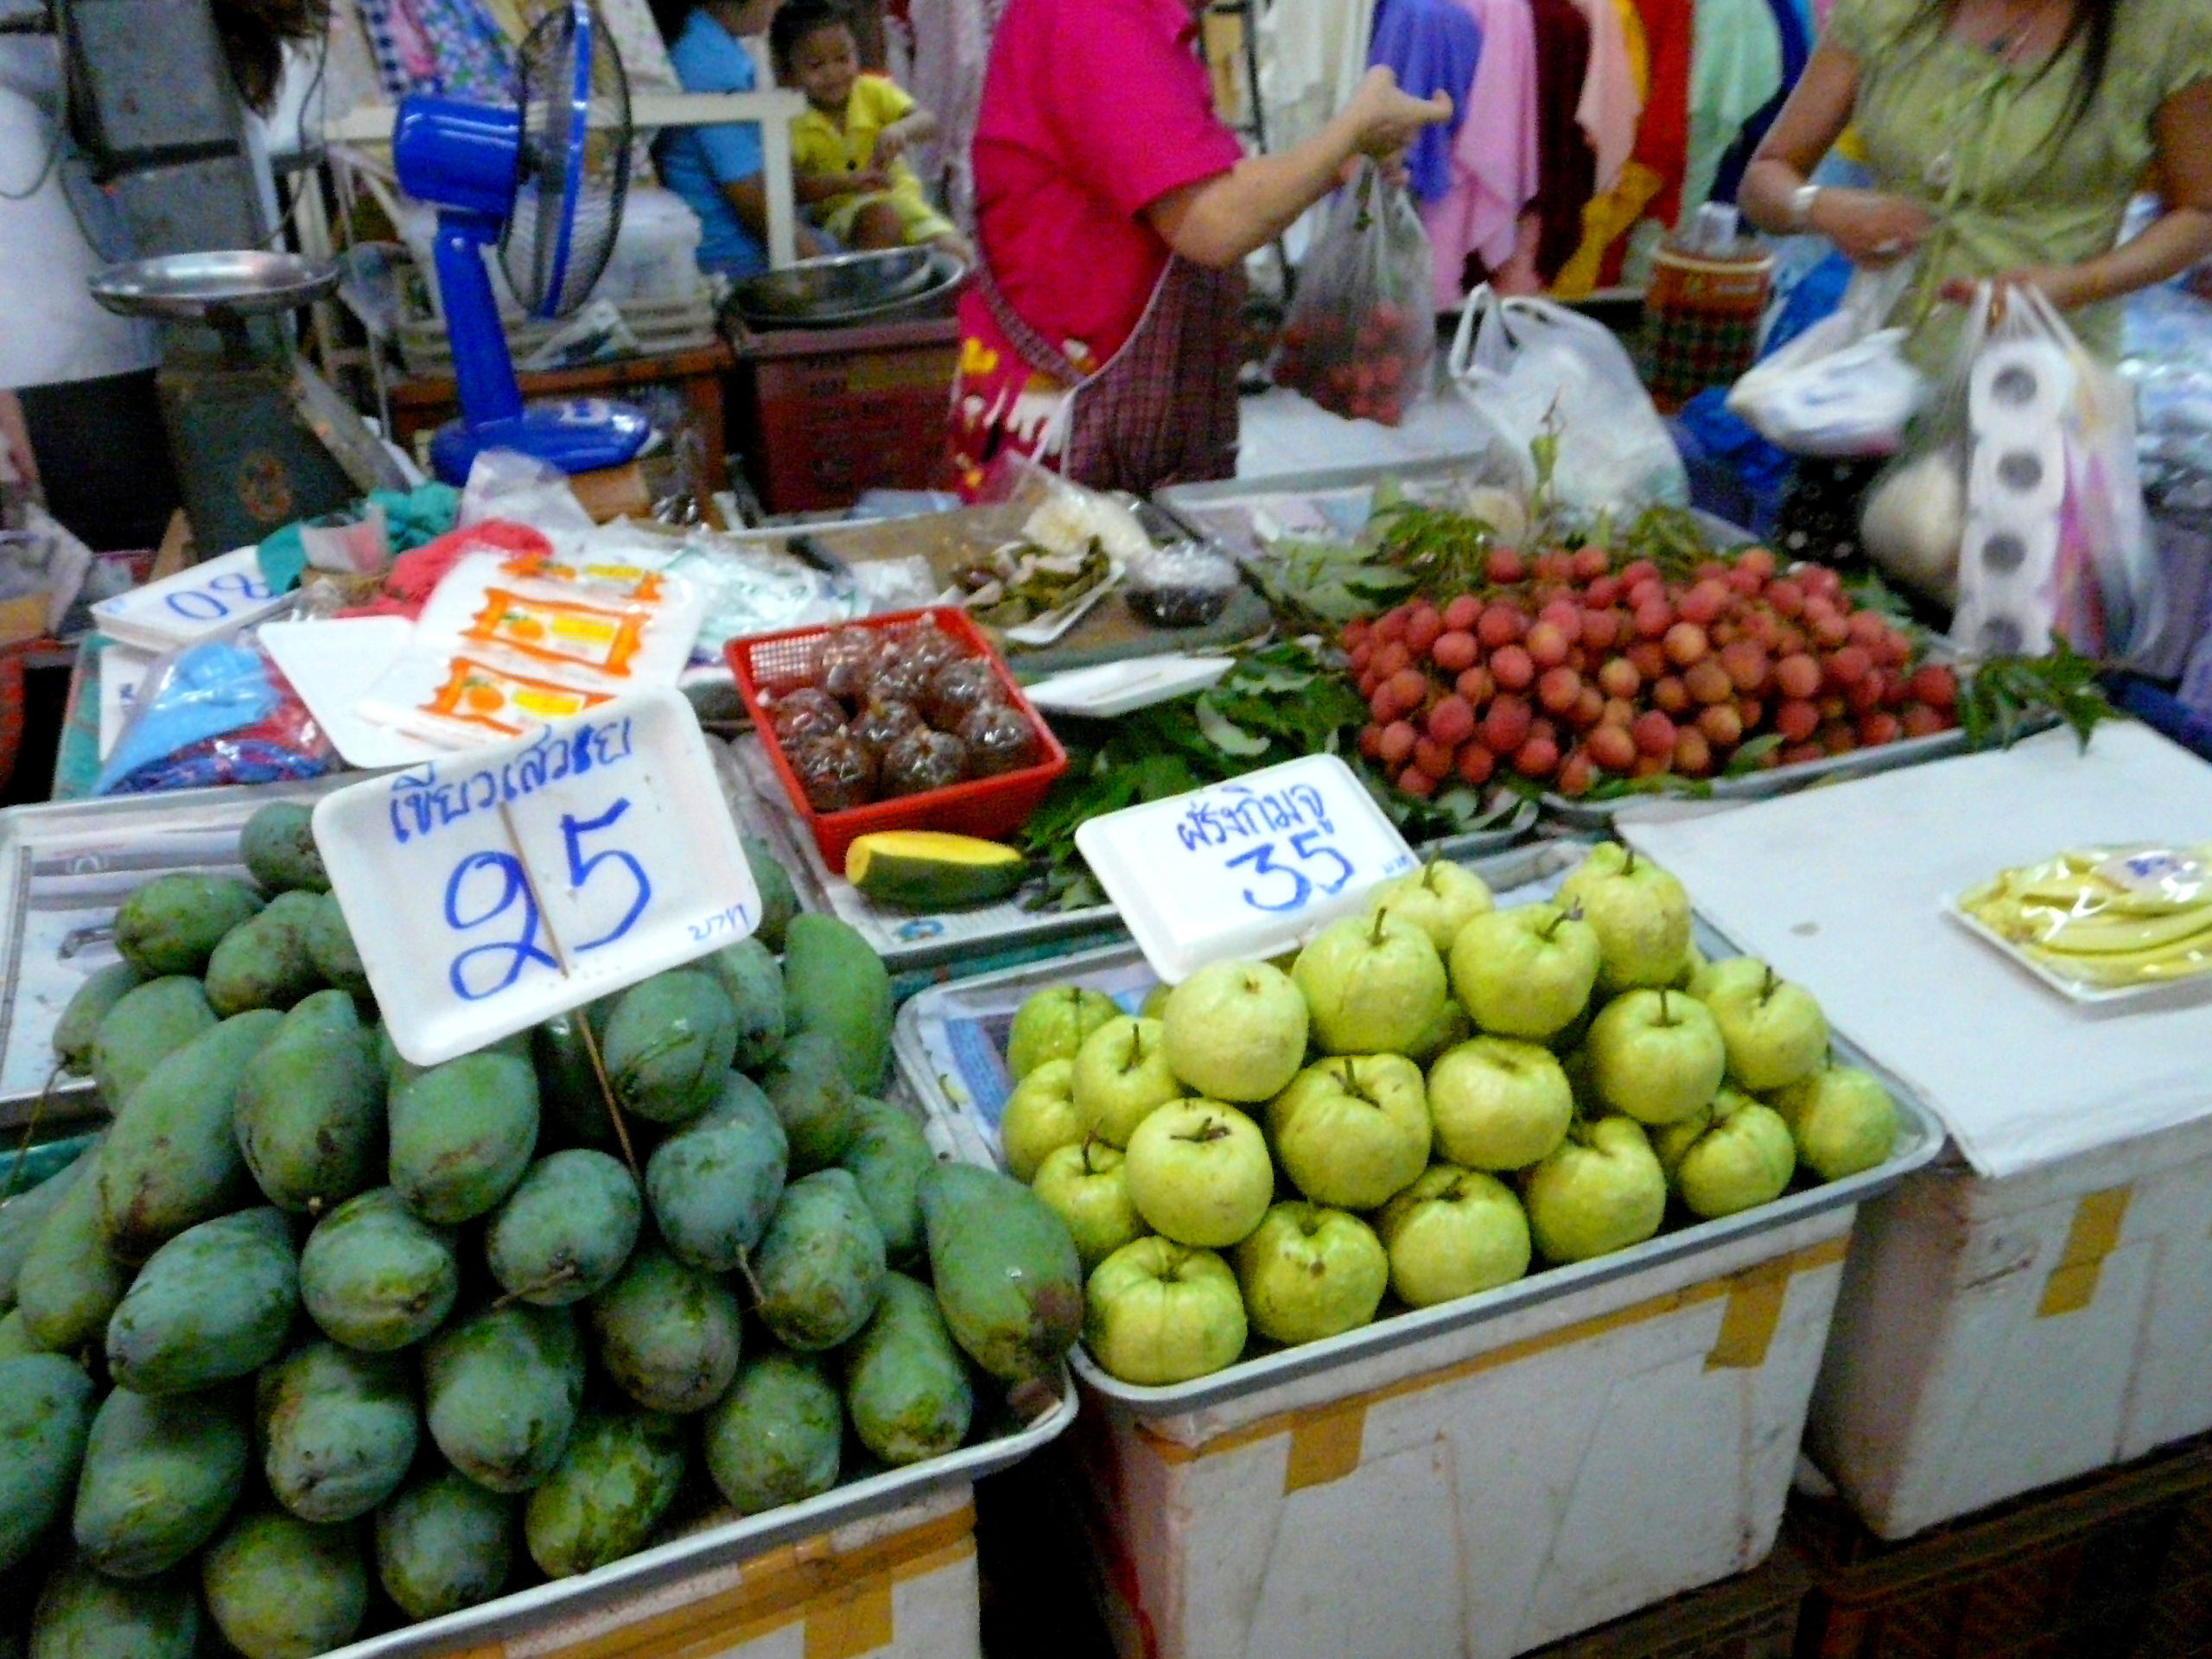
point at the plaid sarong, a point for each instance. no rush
(1163, 409)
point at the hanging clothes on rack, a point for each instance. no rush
(951, 44)
(1494, 159)
(1735, 67)
(1607, 217)
(1312, 54)
(1432, 45)
(1550, 227)
(1612, 91)
(1792, 21)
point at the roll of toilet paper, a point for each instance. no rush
(2007, 583)
(2018, 471)
(2019, 385)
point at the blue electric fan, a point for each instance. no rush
(544, 182)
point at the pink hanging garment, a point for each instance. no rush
(1494, 161)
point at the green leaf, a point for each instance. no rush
(1225, 734)
(1748, 758)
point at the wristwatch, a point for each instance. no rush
(1800, 205)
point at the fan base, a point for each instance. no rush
(578, 435)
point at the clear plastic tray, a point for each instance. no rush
(2074, 990)
(948, 1045)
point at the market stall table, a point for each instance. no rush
(2041, 1307)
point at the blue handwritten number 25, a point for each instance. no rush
(1261, 858)
(472, 983)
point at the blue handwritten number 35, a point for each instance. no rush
(471, 984)
(1261, 858)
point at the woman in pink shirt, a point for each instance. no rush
(1114, 212)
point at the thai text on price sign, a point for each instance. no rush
(495, 889)
(1244, 869)
(198, 600)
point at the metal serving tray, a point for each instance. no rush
(1224, 510)
(519, 1615)
(65, 866)
(942, 1034)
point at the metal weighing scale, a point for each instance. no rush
(259, 438)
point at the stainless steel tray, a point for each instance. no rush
(945, 1022)
(519, 1615)
(1598, 816)
(65, 866)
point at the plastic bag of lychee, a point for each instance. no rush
(1362, 328)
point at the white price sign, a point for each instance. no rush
(1244, 869)
(495, 889)
(197, 600)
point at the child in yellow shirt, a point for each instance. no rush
(848, 163)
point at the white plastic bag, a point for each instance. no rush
(1521, 364)
(2056, 540)
(1842, 387)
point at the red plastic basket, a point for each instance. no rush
(767, 664)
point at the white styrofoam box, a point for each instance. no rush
(900, 1585)
(1993, 1336)
(655, 258)
(1481, 1493)
(656, 251)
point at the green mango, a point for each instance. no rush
(173, 924)
(462, 1133)
(754, 981)
(566, 1230)
(310, 1114)
(1006, 1274)
(609, 1491)
(46, 1409)
(338, 1429)
(568, 1087)
(668, 1335)
(330, 948)
(668, 1043)
(888, 1157)
(215, 1302)
(264, 963)
(778, 899)
(278, 848)
(778, 1436)
(444, 1543)
(500, 1392)
(820, 1268)
(159, 1477)
(147, 1023)
(84, 1614)
(22, 1217)
(69, 1283)
(836, 985)
(15, 1339)
(79, 1025)
(376, 1276)
(906, 1387)
(714, 1184)
(807, 1084)
(278, 1587)
(172, 1160)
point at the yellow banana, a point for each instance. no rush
(2098, 937)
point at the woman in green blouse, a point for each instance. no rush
(2004, 139)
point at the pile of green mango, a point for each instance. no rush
(312, 1342)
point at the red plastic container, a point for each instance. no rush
(768, 665)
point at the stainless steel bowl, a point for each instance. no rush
(815, 290)
(194, 285)
(939, 275)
